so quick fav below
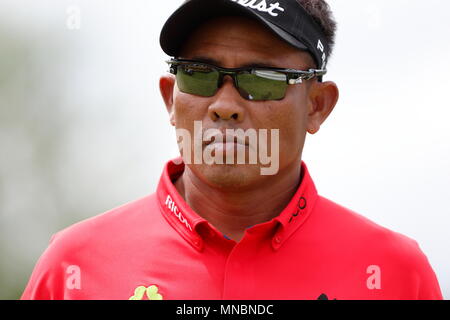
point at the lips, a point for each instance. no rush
(224, 138)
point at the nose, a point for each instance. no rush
(227, 104)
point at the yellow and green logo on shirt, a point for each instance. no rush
(151, 292)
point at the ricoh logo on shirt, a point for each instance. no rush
(174, 209)
(261, 5)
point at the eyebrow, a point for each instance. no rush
(217, 63)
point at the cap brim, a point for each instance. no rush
(195, 12)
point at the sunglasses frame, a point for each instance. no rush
(293, 76)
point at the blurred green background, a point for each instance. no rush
(75, 122)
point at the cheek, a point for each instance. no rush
(187, 109)
(295, 116)
(290, 118)
(291, 132)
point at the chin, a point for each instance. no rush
(236, 176)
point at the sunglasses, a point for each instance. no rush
(255, 84)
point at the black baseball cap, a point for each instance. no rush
(286, 18)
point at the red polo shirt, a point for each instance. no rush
(157, 247)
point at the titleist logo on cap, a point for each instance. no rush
(261, 5)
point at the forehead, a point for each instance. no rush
(239, 40)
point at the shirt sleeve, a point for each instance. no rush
(429, 288)
(47, 279)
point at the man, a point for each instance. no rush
(238, 216)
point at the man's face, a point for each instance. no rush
(233, 42)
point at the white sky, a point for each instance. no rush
(384, 152)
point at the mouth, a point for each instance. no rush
(227, 140)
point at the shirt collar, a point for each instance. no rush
(298, 209)
(186, 222)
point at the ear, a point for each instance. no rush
(166, 86)
(323, 97)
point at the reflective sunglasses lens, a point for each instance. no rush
(262, 85)
(197, 79)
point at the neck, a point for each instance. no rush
(232, 211)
